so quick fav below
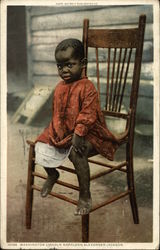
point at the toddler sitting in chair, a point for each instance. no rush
(77, 129)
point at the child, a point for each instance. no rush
(78, 128)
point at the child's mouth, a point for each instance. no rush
(66, 78)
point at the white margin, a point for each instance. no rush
(156, 145)
(3, 124)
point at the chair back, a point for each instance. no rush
(117, 54)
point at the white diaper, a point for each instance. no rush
(50, 156)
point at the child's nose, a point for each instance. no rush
(65, 69)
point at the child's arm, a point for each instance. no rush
(86, 118)
(88, 113)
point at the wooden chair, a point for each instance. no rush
(122, 46)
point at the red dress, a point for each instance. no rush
(76, 109)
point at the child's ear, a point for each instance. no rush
(84, 62)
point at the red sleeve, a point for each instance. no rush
(88, 113)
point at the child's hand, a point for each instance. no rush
(78, 144)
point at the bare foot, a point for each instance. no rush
(84, 206)
(48, 185)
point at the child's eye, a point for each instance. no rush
(59, 66)
(69, 65)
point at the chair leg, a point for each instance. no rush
(130, 180)
(30, 181)
(85, 228)
(134, 207)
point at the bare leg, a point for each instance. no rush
(83, 174)
(53, 175)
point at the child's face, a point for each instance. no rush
(69, 68)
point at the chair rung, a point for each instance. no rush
(67, 169)
(39, 175)
(59, 196)
(114, 198)
(122, 164)
(115, 114)
(65, 184)
(62, 183)
(105, 172)
(62, 197)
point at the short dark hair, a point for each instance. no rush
(76, 44)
